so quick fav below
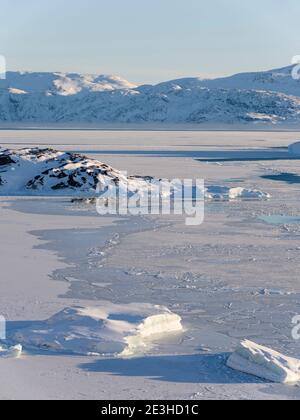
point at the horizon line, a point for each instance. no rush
(68, 73)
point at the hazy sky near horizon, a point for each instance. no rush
(149, 41)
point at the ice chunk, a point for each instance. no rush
(104, 330)
(216, 192)
(11, 352)
(264, 363)
(294, 148)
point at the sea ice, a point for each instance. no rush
(264, 363)
(105, 330)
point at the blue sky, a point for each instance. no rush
(149, 41)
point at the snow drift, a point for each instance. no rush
(264, 363)
(104, 330)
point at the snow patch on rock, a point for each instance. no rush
(106, 330)
(265, 363)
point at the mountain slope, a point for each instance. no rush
(264, 97)
(277, 80)
(193, 106)
(64, 84)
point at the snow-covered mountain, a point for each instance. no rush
(65, 84)
(268, 97)
(277, 80)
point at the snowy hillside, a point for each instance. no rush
(268, 97)
(277, 80)
(64, 84)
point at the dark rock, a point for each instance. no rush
(6, 160)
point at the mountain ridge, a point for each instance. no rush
(269, 97)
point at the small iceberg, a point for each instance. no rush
(216, 192)
(265, 363)
(11, 352)
(107, 330)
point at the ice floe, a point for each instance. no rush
(211, 193)
(264, 363)
(11, 352)
(216, 192)
(106, 330)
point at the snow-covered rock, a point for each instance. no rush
(49, 172)
(119, 330)
(58, 98)
(294, 149)
(264, 363)
(11, 352)
(215, 192)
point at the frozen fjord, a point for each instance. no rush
(231, 278)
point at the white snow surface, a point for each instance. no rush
(264, 363)
(122, 330)
(271, 97)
